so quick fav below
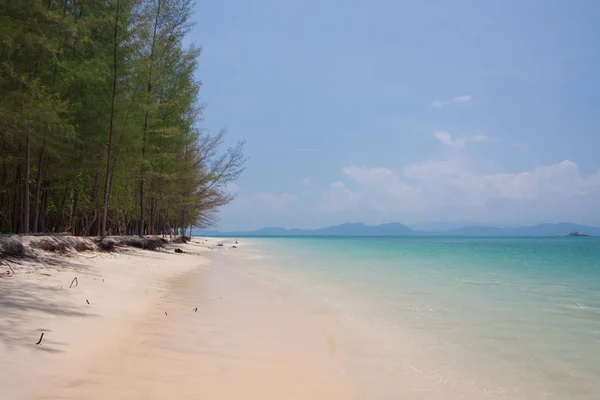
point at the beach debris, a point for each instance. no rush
(195, 309)
(235, 247)
(103, 280)
(40, 341)
(87, 301)
(107, 244)
(74, 281)
(182, 239)
(178, 250)
(166, 314)
(220, 244)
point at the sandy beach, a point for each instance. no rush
(161, 326)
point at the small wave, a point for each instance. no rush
(580, 306)
(576, 307)
(479, 282)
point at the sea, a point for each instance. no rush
(452, 317)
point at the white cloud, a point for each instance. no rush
(443, 189)
(447, 139)
(562, 179)
(433, 190)
(462, 99)
(306, 150)
(306, 181)
(520, 146)
(338, 198)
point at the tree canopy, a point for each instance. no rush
(100, 120)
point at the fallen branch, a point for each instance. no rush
(40, 341)
(87, 301)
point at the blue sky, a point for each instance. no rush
(410, 111)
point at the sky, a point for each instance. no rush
(421, 112)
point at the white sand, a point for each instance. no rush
(246, 340)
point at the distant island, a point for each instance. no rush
(577, 234)
(398, 229)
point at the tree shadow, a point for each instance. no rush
(23, 302)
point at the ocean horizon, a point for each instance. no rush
(518, 317)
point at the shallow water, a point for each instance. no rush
(505, 318)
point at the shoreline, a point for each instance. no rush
(160, 325)
(228, 323)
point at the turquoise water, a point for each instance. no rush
(514, 317)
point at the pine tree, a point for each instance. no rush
(91, 92)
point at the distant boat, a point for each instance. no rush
(577, 234)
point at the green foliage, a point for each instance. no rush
(59, 60)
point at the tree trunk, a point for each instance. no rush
(38, 191)
(96, 222)
(148, 102)
(27, 172)
(6, 211)
(141, 229)
(44, 210)
(151, 217)
(15, 203)
(61, 220)
(74, 212)
(112, 119)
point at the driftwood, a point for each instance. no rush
(74, 281)
(41, 337)
(181, 239)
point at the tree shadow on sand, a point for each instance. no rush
(22, 302)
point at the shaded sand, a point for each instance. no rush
(140, 338)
